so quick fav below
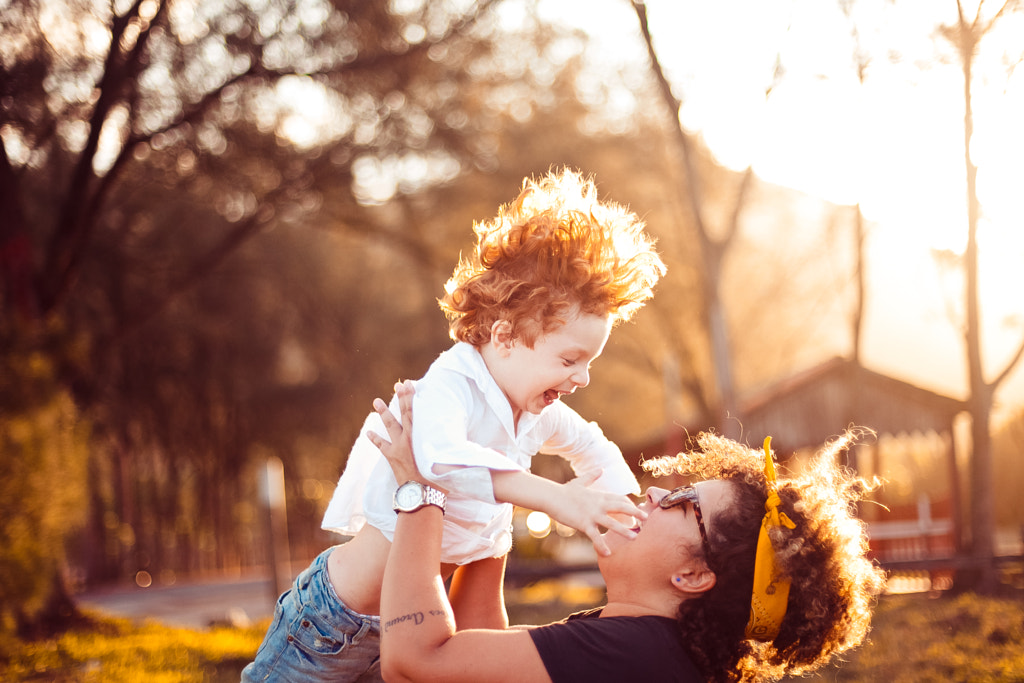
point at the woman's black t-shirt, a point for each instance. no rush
(586, 648)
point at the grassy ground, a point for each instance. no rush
(116, 650)
(920, 639)
(916, 638)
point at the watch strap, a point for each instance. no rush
(434, 497)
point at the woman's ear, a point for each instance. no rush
(501, 336)
(694, 580)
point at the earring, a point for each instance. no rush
(678, 579)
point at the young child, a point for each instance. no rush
(530, 310)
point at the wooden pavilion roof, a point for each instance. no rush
(808, 409)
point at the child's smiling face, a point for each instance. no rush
(558, 363)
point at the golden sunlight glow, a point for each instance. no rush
(538, 524)
(309, 113)
(774, 84)
(779, 90)
(893, 143)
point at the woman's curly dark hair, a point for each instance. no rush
(833, 583)
(554, 250)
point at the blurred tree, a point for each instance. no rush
(714, 234)
(966, 35)
(861, 62)
(143, 145)
(43, 449)
(200, 205)
(224, 228)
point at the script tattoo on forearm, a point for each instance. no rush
(415, 618)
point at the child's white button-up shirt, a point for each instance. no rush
(463, 423)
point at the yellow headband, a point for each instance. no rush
(771, 590)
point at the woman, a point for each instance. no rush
(738, 577)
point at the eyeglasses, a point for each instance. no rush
(688, 494)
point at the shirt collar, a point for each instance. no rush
(466, 360)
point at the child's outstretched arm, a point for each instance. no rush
(571, 503)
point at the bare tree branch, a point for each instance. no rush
(1009, 367)
(712, 250)
(74, 226)
(673, 105)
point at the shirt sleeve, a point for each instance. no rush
(588, 450)
(446, 453)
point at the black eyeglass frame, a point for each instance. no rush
(688, 494)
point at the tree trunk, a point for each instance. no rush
(712, 251)
(58, 614)
(727, 414)
(20, 302)
(981, 485)
(858, 304)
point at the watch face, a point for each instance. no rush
(408, 495)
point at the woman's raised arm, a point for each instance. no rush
(419, 641)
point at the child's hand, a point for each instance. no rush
(571, 504)
(586, 509)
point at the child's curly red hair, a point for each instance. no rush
(553, 252)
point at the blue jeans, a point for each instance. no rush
(315, 637)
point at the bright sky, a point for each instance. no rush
(893, 143)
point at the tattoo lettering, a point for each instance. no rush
(415, 617)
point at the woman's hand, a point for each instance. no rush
(398, 451)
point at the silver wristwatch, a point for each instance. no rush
(412, 495)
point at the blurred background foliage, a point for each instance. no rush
(224, 229)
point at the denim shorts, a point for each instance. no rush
(315, 637)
